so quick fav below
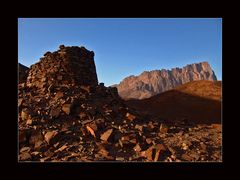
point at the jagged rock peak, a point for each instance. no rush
(153, 82)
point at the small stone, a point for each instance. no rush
(61, 148)
(140, 128)
(43, 79)
(125, 138)
(148, 153)
(29, 122)
(119, 158)
(194, 155)
(47, 53)
(56, 144)
(137, 148)
(25, 156)
(103, 152)
(120, 142)
(88, 89)
(24, 114)
(35, 153)
(180, 133)
(149, 140)
(35, 137)
(134, 141)
(130, 116)
(217, 126)
(173, 157)
(20, 100)
(150, 125)
(25, 149)
(159, 148)
(38, 144)
(49, 135)
(61, 47)
(91, 131)
(184, 146)
(93, 125)
(59, 95)
(163, 128)
(106, 135)
(66, 108)
(186, 157)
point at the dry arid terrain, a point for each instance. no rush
(197, 106)
(197, 101)
(65, 114)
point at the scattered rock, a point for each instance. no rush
(25, 156)
(163, 128)
(58, 95)
(61, 148)
(91, 131)
(137, 148)
(66, 108)
(186, 157)
(35, 137)
(25, 114)
(20, 100)
(106, 135)
(119, 158)
(140, 128)
(217, 126)
(25, 149)
(29, 122)
(130, 116)
(49, 135)
(184, 146)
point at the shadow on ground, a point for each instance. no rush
(176, 105)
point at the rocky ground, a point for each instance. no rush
(85, 126)
(63, 117)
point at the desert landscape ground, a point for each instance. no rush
(66, 115)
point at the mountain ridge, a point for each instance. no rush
(150, 83)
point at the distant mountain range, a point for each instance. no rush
(150, 83)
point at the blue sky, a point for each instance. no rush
(126, 46)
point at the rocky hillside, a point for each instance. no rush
(22, 73)
(197, 101)
(66, 115)
(150, 83)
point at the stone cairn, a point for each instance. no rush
(69, 65)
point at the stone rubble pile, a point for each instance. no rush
(66, 115)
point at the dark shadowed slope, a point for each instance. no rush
(198, 101)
